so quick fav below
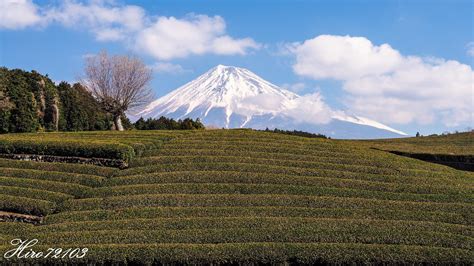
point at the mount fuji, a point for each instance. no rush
(233, 97)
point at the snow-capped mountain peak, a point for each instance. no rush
(234, 97)
(227, 87)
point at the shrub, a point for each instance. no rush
(296, 133)
(164, 123)
(66, 148)
(26, 205)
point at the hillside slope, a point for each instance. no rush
(224, 196)
(455, 150)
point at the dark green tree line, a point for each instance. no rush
(167, 123)
(31, 102)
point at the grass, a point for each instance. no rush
(452, 144)
(241, 196)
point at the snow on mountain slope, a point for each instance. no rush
(234, 97)
(367, 122)
(231, 88)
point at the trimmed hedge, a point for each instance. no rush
(255, 212)
(26, 205)
(67, 148)
(238, 196)
(380, 159)
(268, 178)
(332, 233)
(222, 200)
(14, 229)
(286, 170)
(252, 223)
(273, 253)
(35, 194)
(86, 180)
(291, 163)
(76, 190)
(226, 188)
(58, 167)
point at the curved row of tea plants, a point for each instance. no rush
(240, 196)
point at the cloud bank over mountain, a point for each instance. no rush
(385, 85)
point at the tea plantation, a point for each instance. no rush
(233, 196)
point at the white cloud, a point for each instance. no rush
(470, 49)
(169, 38)
(226, 45)
(384, 85)
(310, 108)
(165, 67)
(260, 103)
(18, 14)
(295, 87)
(343, 57)
(107, 22)
(164, 38)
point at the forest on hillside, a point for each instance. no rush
(31, 102)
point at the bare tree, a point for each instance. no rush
(119, 83)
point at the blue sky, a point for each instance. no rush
(417, 76)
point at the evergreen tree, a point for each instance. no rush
(164, 123)
(30, 101)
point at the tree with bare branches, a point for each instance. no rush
(119, 83)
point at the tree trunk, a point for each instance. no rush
(118, 123)
(56, 115)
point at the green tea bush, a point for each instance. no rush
(66, 148)
(240, 197)
(256, 212)
(226, 188)
(26, 205)
(271, 253)
(75, 190)
(251, 223)
(82, 179)
(35, 193)
(222, 200)
(59, 167)
(282, 179)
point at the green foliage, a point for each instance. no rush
(80, 111)
(26, 205)
(196, 222)
(67, 148)
(450, 144)
(296, 133)
(82, 179)
(35, 193)
(167, 123)
(240, 196)
(179, 213)
(46, 186)
(59, 167)
(21, 88)
(96, 147)
(257, 253)
(32, 102)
